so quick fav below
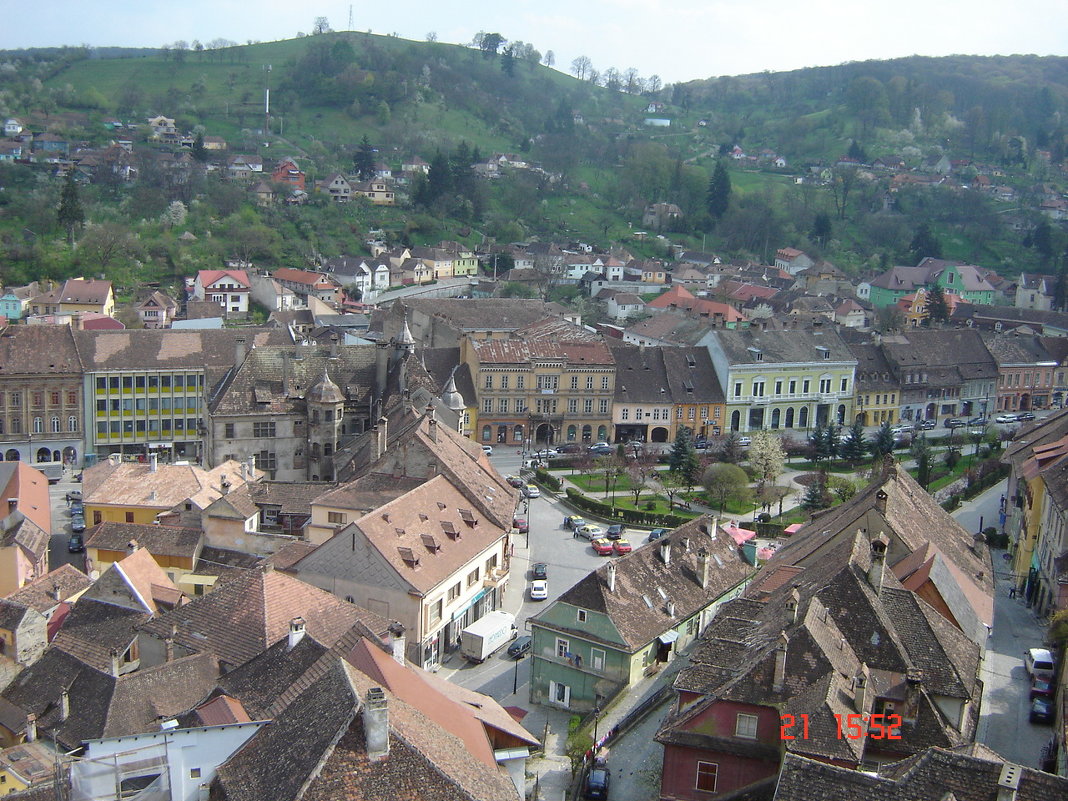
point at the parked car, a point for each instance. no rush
(539, 570)
(622, 547)
(925, 425)
(520, 646)
(902, 428)
(589, 531)
(657, 533)
(76, 508)
(74, 495)
(487, 449)
(700, 443)
(745, 441)
(77, 523)
(539, 590)
(515, 481)
(1039, 664)
(954, 422)
(571, 447)
(602, 450)
(545, 453)
(521, 524)
(601, 444)
(1025, 416)
(530, 491)
(75, 544)
(1005, 418)
(602, 547)
(978, 421)
(615, 531)
(1041, 710)
(574, 521)
(597, 783)
(1043, 688)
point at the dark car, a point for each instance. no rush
(978, 421)
(1025, 416)
(954, 422)
(615, 531)
(1040, 688)
(1041, 710)
(76, 508)
(539, 570)
(657, 533)
(571, 447)
(75, 544)
(520, 646)
(602, 450)
(597, 783)
(700, 443)
(925, 425)
(77, 523)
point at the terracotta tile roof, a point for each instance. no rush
(66, 581)
(289, 554)
(480, 314)
(644, 584)
(288, 497)
(157, 540)
(19, 480)
(250, 610)
(222, 710)
(139, 485)
(81, 290)
(93, 629)
(209, 277)
(22, 347)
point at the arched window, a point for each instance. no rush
(55, 424)
(841, 415)
(572, 432)
(328, 449)
(790, 417)
(775, 414)
(38, 425)
(587, 433)
(602, 433)
(517, 434)
(487, 432)
(315, 450)
(736, 420)
(802, 417)
(72, 423)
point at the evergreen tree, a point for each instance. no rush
(937, 308)
(815, 496)
(817, 444)
(732, 451)
(439, 178)
(719, 191)
(682, 460)
(199, 151)
(924, 244)
(70, 213)
(363, 162)
(821, 228)
(884, 440)
(1060, 286)
(855, 446)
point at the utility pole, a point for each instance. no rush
(267, 100)
(350, 16)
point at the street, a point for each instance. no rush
(57, 545)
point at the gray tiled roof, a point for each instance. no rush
(753, 346)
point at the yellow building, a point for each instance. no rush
(87, 295)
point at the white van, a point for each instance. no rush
(1039, 664)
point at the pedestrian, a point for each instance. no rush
(1012, 591)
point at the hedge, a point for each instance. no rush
(543, 476)
(632, 516)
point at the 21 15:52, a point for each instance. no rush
(879, 726)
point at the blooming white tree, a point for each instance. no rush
(766, 456)
(174, 214)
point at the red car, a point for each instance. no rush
(521, 524)
(602, 547)
(621, 546)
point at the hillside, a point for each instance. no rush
(782, 133)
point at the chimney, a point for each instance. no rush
(153, 463)
(55, 592)
(224, 485)
(64, 705)
(333, 346)
(1009, 782)
(296, 632)
(778, 681)
(978, 543)
(376, 724)
(114, 654)
(77, 322)
(665, 551)
(793, 604)
(12, 504)
(860, 688)
(686, 544)
(397, 641)
(702, 568)
(877, 569)
(611, 576)
(251, 462)
(381, 368)
(31, 728)
(432, 423)
(670, 608)
(285, 374)
(239, 351)
(132, 547)
(880, 501)
(381, 436)
(913, 686)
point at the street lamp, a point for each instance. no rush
(515, 681)
(596, 718)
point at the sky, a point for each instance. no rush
(679, 40)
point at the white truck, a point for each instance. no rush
(487, 635)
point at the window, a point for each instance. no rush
(502, 406)
(825, 385)
(604, 382)
(53, 398)
(625, 414)
(589, 382)
(758, 388)
(548, 382)
(55, 424)
(16, 400)
(435, 611)
(582, 615)
(520, 382)
(228, 431)
(129, 517)
(38, 425)
(845, 384)
(587, 406)
(563, 647)
(778, 386)
(737, 389)
(603, 406)
(572, 405)
(488, 384)
(335, 517)
(706, 777)
(266, 460)
(746, 726)
(574, 382)
(263, 429)
(194, 773)
(454, 592)
(72, 398)
(38, 400)
(597, 659)
(491, 563)
(472, 577)
(487, 406)
(806, 385)
(487, 432)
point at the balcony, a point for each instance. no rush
(495, 578)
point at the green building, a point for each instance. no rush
(966, 280)
(633, 615)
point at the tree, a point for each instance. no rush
(767, 457)
(884, 440)
(820, 443)
(322, 25)
(816, 496)
(724, 482)
(70, 213)
(490, 44)
(731, 452)
(199, 152)
(432, 36)
(924, 244)
(174, 215)
(921, 452)
(364, 160)
(821, 228)
(842, 487)
(682, 459)
(581, 67)
(640, 470)
(855, 446)
(550, 58)
(719, 191)
(843, 180)
(103, 245)
(937, 308)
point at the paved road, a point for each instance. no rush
(57, 545)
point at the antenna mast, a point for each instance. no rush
(350, 16)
